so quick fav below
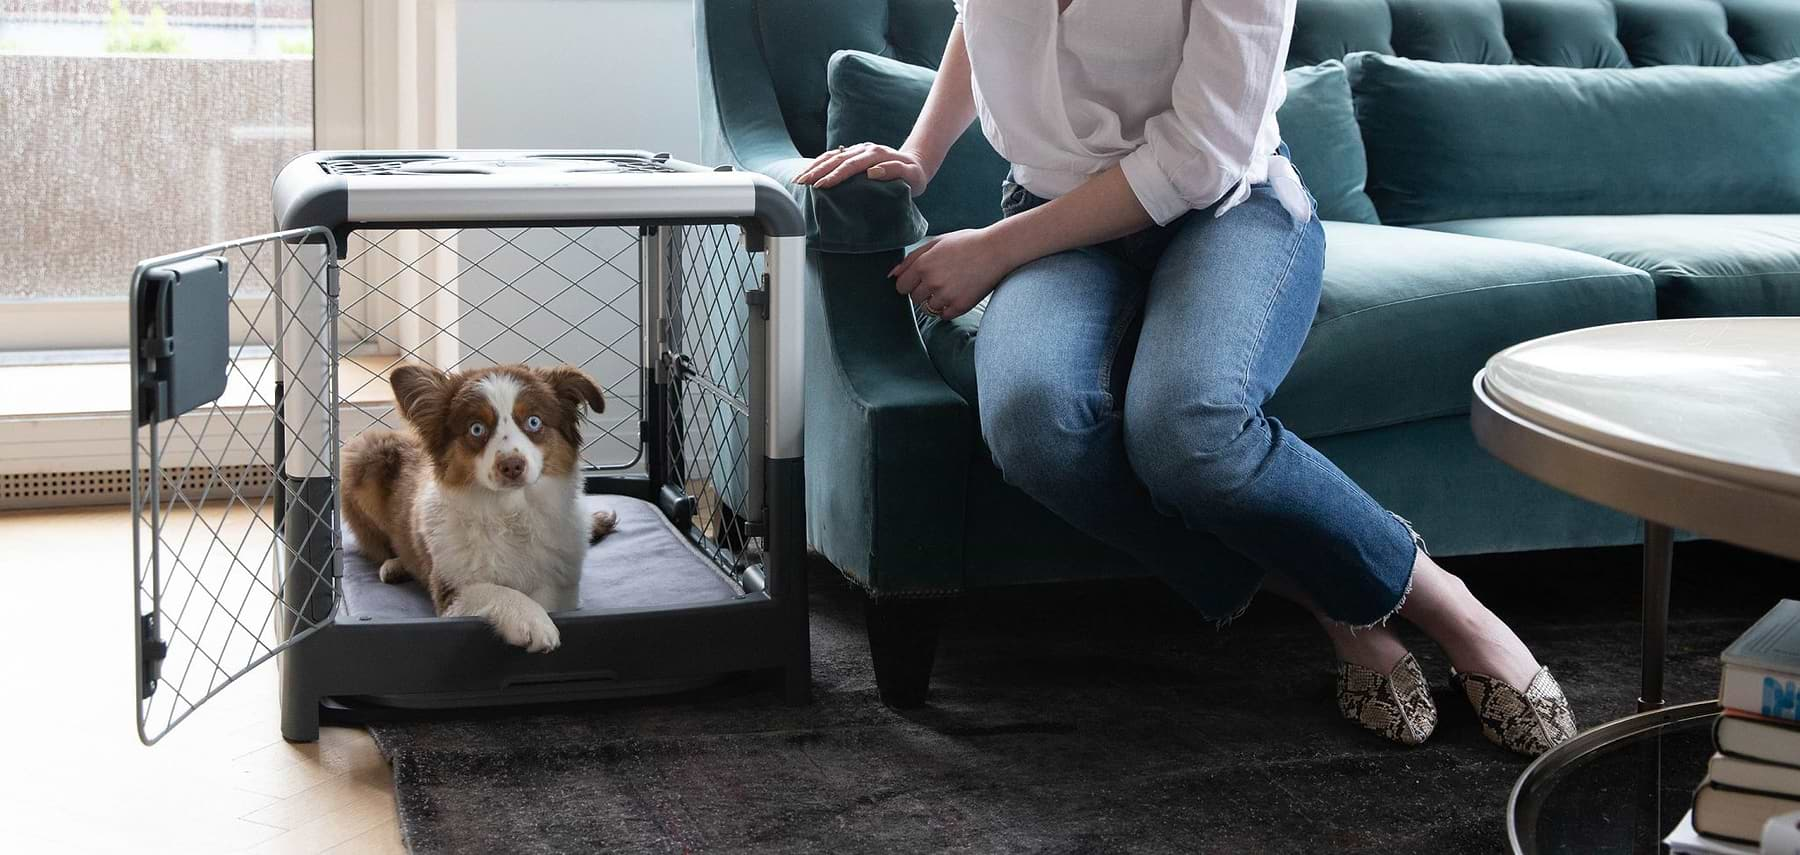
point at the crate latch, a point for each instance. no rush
(758, 298)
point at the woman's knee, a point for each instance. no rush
(1197, 455)
(1042, 433)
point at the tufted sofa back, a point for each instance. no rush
(1569, 33)
(797, 37)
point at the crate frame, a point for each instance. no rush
(324, 657)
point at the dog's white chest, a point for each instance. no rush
(531, 540)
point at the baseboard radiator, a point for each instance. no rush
(180, 487)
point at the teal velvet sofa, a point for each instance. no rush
(1468, 210)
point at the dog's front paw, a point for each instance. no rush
(533, 631)
(392, 573)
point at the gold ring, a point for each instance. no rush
(933, 310)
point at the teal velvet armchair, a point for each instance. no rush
(902, 496)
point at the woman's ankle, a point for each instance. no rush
(1473, 637)
(1378, 649)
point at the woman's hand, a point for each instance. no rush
(877, 161)
(953, 272)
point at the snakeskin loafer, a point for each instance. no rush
(1396, 705)
(1529, 722)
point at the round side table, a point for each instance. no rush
(1690, 424)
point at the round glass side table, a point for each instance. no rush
(1619, 788)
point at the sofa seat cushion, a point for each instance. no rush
(1406, 319)
(1705, 265)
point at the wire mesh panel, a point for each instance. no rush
(211, 510)
(470, 298)
(709, 343)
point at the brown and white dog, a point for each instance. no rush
(480, 500)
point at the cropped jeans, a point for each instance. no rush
(1122, 386)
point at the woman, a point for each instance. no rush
(1156, 271)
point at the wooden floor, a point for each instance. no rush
(73, 777)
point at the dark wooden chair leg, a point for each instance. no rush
(903, 638)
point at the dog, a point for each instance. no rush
(480, 500)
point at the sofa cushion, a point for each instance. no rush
(1565, 33)
(1676, 32)
(1406, 319)
(1764, 30)
(1704, 265)
(1451, 141)
(1451, 30)
(1333, 29)
(1318, 122)
(876, 99)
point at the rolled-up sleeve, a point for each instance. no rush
(1199, 150)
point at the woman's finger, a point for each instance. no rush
(910, 280)
(848, 167)
(892, 170)
(821, 165)
(908, 261)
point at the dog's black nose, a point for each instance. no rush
(511, 466)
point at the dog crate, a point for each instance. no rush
(676, 287)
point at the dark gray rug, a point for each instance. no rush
(1072, 718)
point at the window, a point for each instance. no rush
(135, 128)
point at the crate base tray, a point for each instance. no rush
(644, 563)
(362, 709)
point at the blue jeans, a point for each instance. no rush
(1122, 386)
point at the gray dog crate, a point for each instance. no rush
(677, 287)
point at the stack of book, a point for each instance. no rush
(1754, 774)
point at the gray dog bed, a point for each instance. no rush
(644, 563)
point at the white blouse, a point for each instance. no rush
(1181, 94)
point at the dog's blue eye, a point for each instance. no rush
(477, 428)
(533, 424)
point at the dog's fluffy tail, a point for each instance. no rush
(373, 464)
(604, 523)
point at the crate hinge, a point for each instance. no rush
(154, 651)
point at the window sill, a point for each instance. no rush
(74, 416)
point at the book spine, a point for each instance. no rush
(1703, 823)
(1760, 692)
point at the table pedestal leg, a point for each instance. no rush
(1659, 558)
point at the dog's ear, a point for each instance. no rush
(422, 394)
(574, 387)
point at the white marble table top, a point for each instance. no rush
(1718, 397)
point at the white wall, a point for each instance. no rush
(577, 74)
(570, 74)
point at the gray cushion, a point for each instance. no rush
(642, 564)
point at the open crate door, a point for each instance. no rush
(234, 451)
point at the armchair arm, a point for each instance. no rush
(859, 215)
(888, 444)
